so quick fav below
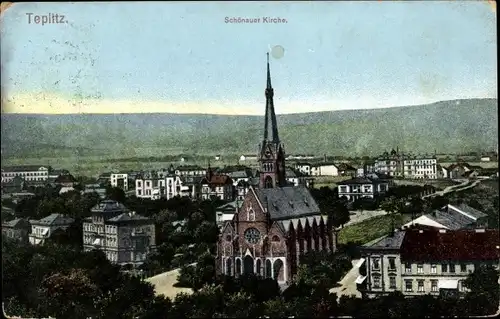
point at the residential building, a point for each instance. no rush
(244, 174)
(389, 163)
(453, 217)
(324, 169)
(55, 173)
(17, 229)
(422, 167)
(157, 184)
(190, 186)
(27, 172)
(14, 185)
(296, 178)
(120, 180)
(95, 188)
(124, 236)
(431, 261)
(190, 170)
(104, 179)
(302, 157)
(304, 167)
(262, 238)
(458, 170)
(45, 227)
(362, 187)
(65, 180)
(217, 186)
(226, 212)
(485, 158)
(345, 169)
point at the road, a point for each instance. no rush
(347, 284)
(164, 283)
(454, 188)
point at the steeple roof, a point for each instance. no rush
(271, 126)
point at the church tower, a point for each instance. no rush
(272, 152)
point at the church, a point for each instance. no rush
(277, 222)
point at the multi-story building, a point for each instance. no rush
(423, 167)
(120, 180)
(226, 212)
(362, 187)
(407, 166)
(125, 237)
(95, 188)
(45, 227)
(431, 261)
(29, 173)
(296, 178)
(324, 169)
(190, 170)
(17, 229)
(217, 186)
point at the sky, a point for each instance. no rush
(182, 57)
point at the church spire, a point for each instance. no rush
(271, 126)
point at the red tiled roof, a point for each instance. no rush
(218, 180)
(466, 245)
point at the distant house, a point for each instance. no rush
(296, 178)
(65, 189)
(65, 180)
(304, 167)
(485, 159)
(190, 170)
(324, 169)
(452, 217)
(248, 157)
(242, 189)
(218, 157)
(26, 172)
(301, 157)
(240, 175)
(119, 180)
(95, 188)
(17, 229)
(45, 227)
(345, 169)
(358, 187)
(14, 185)
(226, 212)
(105, 178)
(457, 171)
(216, 186)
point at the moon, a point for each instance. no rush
(277, 51)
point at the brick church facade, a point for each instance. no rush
(277, 223)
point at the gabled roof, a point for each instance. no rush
(466, 210)
(388, 242)
(345, 167)
(243, 183)
(247, 173)
(128, 217)
(217, 180)
(53, 220)
(451, 245)
(108, 206)
(357, 180)
(17, 223)
(287, 202)
(24, 168)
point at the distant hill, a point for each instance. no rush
(447, 126)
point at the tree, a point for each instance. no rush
(68, 295)
(484, 292)
(116, 194)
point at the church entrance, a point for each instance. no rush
(248, 265)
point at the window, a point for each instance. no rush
(433, 269)
(343, 189)
(392, 282)
(408, 268)
(434, 285)
(420, 269)
(275, 239)
(444, 268)
(392, 263)
(408, 285)
(463, 267)
(452, 268)
(376, 264)
(376, 282)
(461, 286)
(420, 286)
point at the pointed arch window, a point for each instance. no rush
(268, 182)
(251, 215)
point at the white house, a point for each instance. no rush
(324, 169)
(420, 168)
(190, 170)
(304, 167)
(27, 172)
(154, 185)
(45, 227)
(359, 187)
(485, 159)
(119, 180)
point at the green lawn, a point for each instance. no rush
(370, 229)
